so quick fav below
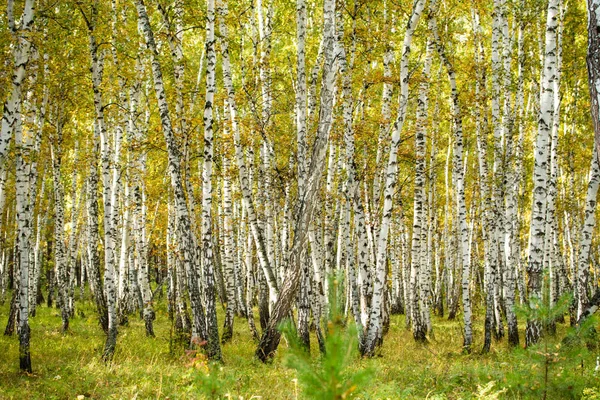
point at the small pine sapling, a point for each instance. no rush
(330, 377)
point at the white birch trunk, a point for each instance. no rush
(213, 348)
(270, 338)
(228, 254)
(420, 275)
(459, 178)
(185, 235)
(375, 328)
(540, 175)
(60, 261)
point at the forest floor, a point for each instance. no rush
(69, 366)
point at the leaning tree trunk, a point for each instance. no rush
(301, 110)
(270, 337)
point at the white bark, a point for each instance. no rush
(214, 348)
(420, 273)
(458, 174)
(540, 174)
(185, 235)
(60, 260)
(375, 329)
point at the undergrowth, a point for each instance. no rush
(69, 366)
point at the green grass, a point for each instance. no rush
(68, 366)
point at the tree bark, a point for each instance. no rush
(540, 175)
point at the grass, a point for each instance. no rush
(68, 366)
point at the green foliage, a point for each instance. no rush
(553, 367)
(488, 392)
(591, 394)
(208, 380)
(329, 378)
(546, 314)
(70, 366)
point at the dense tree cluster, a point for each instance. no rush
(436, 156)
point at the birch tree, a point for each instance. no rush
(459, 178)
(270, 337)
(593, 67)
(183, 226)
(375, 329)
(540, 174)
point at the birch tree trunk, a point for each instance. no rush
(228, 262)
(109, 249)
(104, 305)
(419, 275)
(513, 254)
(459, 178)
(37, 260)
(540, 174)
(74, 237)
(24, 155)
(351, 187)
(60, 261)
(93, 236)
(213, 348)
(489, 251)
(185, 235)
(11, 122)
(375, 328)
(270, 337)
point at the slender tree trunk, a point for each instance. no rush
(24, 155)
(489, 251)
(60, 262)
(270, 338)
(540, 175)
(228, 261)
(185, 235)
(459, 177)
(93, 237)
(213, 348)
(375, 328)
(420, 277)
